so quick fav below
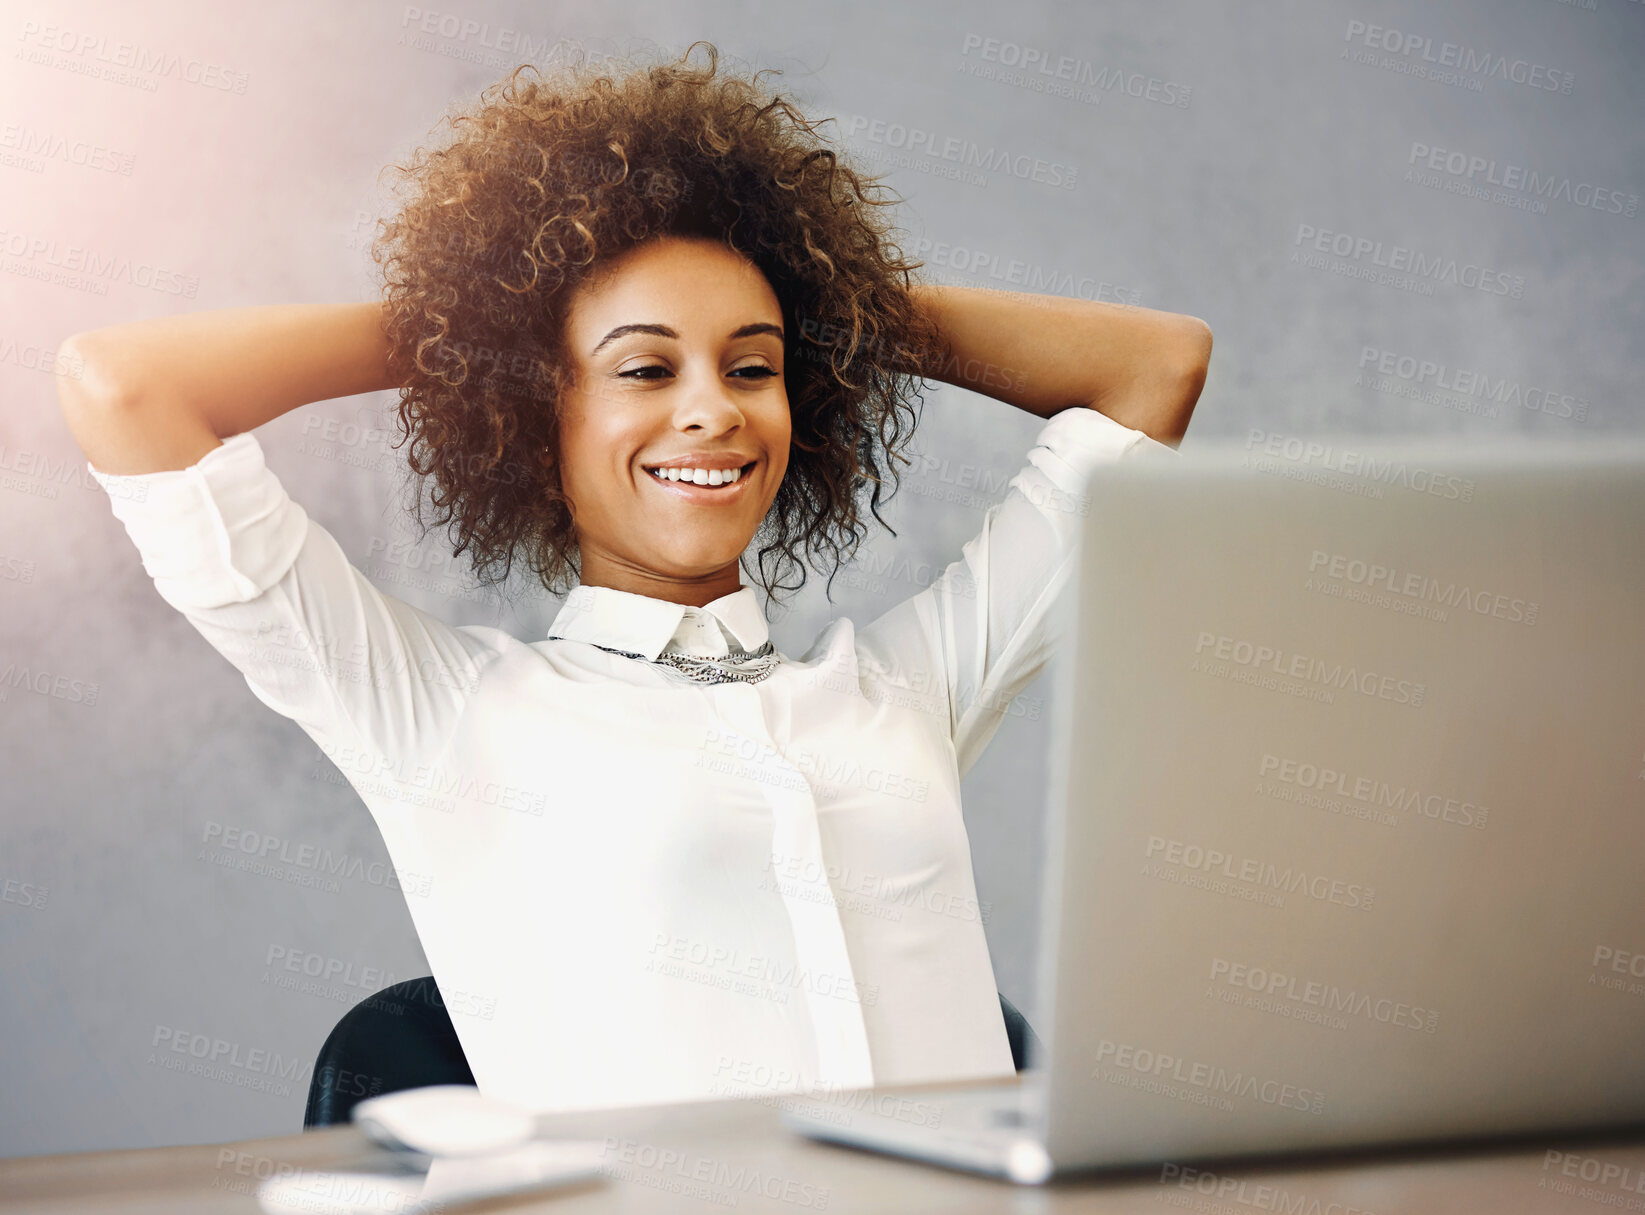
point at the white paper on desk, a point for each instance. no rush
(449, 1180)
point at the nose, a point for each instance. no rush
(709, 406)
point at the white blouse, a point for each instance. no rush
(633, 887)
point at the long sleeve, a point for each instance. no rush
(273, 592)
(984, 629)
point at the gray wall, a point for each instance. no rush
(237, 166)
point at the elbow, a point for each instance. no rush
(1197, 346)
(1194, 361)
(1161, 400)
(1186, 381)
(87, 375)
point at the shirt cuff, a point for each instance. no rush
(220, 531)
(1077, 440)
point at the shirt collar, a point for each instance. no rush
(622, 620)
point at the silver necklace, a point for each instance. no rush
(738, 666)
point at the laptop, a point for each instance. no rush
(1346, 814)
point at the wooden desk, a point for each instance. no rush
(735, 1155)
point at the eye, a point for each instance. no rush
(761, 372)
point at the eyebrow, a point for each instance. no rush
(664, 331)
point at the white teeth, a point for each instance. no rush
(698, 476)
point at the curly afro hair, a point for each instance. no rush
(547, 177)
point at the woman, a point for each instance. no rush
(649, 857)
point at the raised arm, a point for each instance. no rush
(1044, 353)
(156, 395)
(1115, 383)
(166, 413)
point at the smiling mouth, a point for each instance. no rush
(706, 482)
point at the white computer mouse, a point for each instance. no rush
(444, 1120)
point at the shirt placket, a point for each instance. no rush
(824, 974)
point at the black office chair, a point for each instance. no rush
(402, 1037)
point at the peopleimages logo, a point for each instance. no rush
(1625, 968)
(745, 1077)
(1456, 55)
(1403, 259)
(1161, 1066)
(1259, 656)
(1472, 383)
(1373, 575)
(219, 1052)
(128, 63)
(1469, 167)
(1326, 996)
(303, 864)
(720, 1182)
(1617, 1178)
(1264, 874)
(798, 876)
(1386, 470)
(49, 145)
(38, 256)
(1248, 1193)
(1031, 61)
(1036, 277)
(961, 151)
(1323, 779)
